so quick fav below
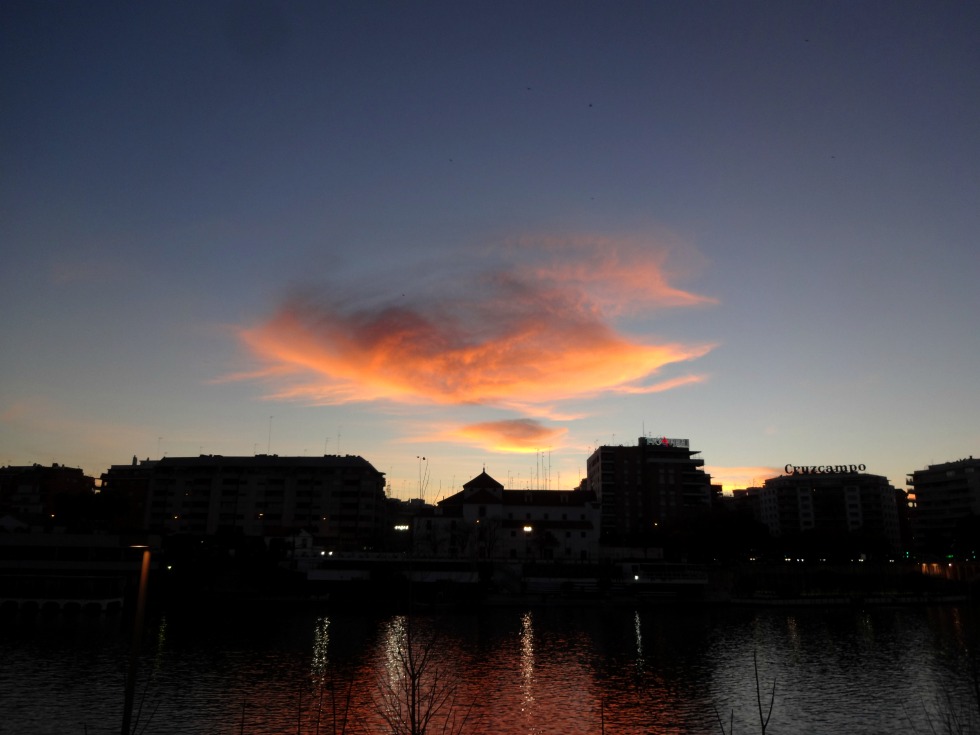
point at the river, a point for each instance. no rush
(511, 671)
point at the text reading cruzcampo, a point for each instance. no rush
(823, 469)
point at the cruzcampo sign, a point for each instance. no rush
(823, 469)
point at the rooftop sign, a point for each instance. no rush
(663, 441)
(823, 469)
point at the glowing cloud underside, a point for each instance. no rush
(498, 339)
(517, 435)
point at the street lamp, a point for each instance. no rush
(135, 647)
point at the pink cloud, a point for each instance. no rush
(619, 275)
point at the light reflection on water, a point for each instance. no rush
(527, 673)
(518, 671)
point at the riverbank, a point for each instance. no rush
(402, 584)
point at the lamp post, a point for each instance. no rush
(134, 650)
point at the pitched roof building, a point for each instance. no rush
(486, 521)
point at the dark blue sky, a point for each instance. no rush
(489, 232)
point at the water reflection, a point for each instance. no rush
(321, 643)
(540, 672)
(527, 672)
(639, 638)
(394, 640)
(328, 708)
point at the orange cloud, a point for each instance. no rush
(666, 384)
(527, 333)
(515, 435)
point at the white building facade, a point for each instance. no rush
(487, 521)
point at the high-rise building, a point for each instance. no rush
(946, 500)
(654, 486)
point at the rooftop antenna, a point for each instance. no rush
(423, 478)
(268, 446)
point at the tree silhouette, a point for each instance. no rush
(418, 693)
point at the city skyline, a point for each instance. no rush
(493, 236)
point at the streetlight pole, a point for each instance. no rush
(134, 650)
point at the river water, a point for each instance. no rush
(512, 671)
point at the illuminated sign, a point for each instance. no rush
(663, 441)
(823, 469)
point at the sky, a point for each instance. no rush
(457, 236)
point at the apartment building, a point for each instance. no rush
(339, 499)
(832, 500)
(946, 499)
(43, 496)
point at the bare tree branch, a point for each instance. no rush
(418, 692)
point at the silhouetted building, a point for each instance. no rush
(946, 512)
(124, 492)
(906, 535)
(648, 489)
(486, 521)
(833, 507)
(47, 496)
(340, 500)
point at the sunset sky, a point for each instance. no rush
(490, 234)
